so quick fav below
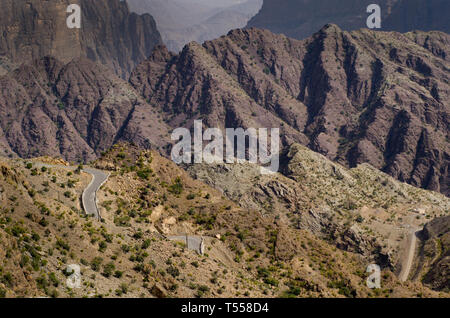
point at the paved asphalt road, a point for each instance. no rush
(89, 197)
(193, 242)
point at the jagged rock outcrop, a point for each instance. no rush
(364, 96)
(435, 254)
(109, 33)
(300, 19)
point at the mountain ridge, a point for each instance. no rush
(363, 96)
(74, 110)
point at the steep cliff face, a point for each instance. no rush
(109, 33)
(301, 18)
(357, 97)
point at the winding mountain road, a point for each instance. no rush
(89, 197)
(408, 260)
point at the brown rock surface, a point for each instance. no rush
(73, 110)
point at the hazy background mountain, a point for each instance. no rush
(183, 21)
(301, 18)
(110, 34)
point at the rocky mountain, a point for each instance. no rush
(183, 21)
(301, 18)
(74, 110)
(110, 34)
(360, 113)
(364, 96)
(356, 97)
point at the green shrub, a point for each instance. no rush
(53, 279)
(42, 282)
(146, 244)
(121, 155)
(144, 173)
(195, 264)
(343, 288)
(60, 244)
(95, 263)
(43, 222)
(17, 230)
(102, 246)
(8, 280)
(271, 281)
(177, 187)
(108, 269)
(201, 290)
(122, 290)
(172, 270)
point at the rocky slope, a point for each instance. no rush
(432, 267)
(364, 96)
(73, 110)
(109, 33)
(300, 19)
(183, 21)
(361, 210)
(6, 66)
(146, 199)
